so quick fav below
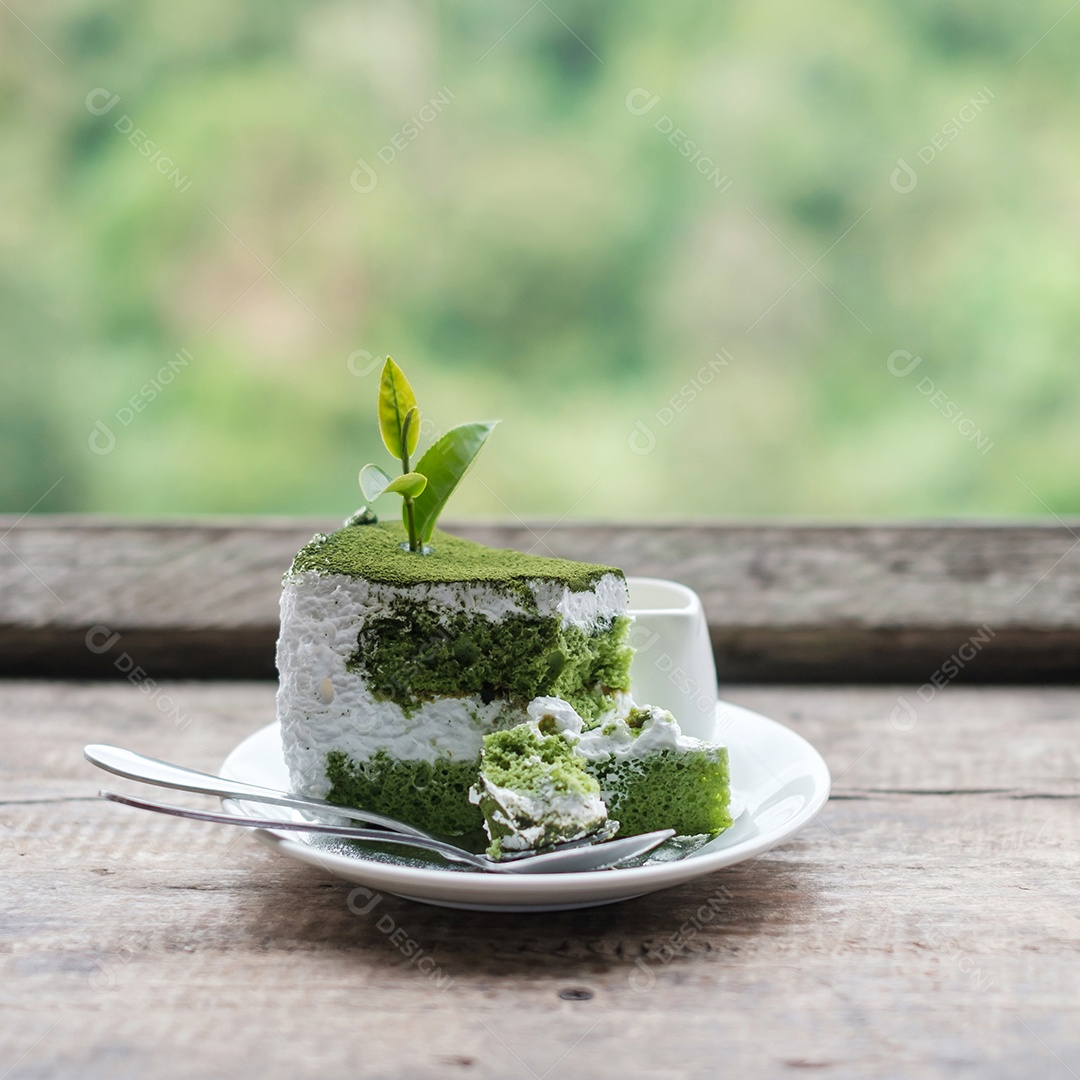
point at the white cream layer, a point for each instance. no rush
(614, 737)
(585, 610)
(324, 707)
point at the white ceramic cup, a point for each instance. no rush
(673, 663)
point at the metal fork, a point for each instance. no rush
(578, 856)
(127, 763)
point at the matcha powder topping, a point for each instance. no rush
(375, 552)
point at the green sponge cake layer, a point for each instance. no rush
(534, 790)
(654, 777)
(684, 790)
(431, 795)
(410, 656)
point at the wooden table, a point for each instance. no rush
(926, 925)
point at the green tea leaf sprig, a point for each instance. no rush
(426, 490)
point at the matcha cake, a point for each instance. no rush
(394, 665)
(454, 686)
(534, 790)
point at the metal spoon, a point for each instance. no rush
(578, 859)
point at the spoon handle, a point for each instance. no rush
(569, 860)
(377, 836)
(116, 759)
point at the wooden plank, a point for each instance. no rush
(925, 927)
(784, 602)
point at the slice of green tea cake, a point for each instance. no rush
(394, 665)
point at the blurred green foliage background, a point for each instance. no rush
(673, 246)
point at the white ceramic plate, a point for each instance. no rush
(778, 778)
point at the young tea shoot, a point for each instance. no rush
(425, 489)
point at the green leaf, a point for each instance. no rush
(410, 483)
(396, 398)
(410, 430)
(373, 482)
(444, 464)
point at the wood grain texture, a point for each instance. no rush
(925, 926)
(784, 602)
